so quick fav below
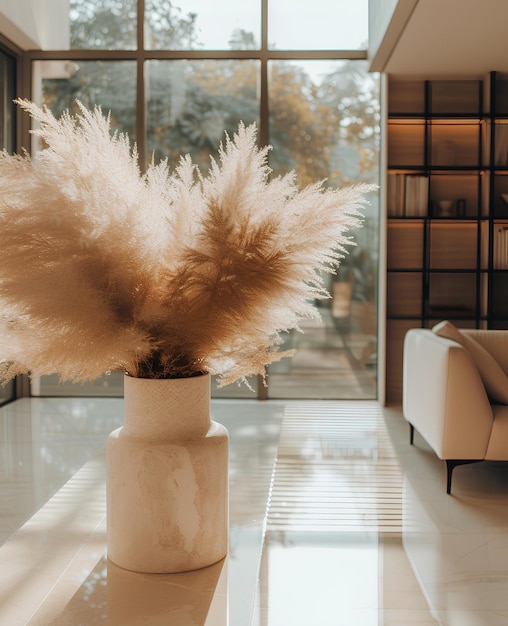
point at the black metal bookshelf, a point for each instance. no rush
(440, 229)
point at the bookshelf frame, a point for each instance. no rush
(447, 252)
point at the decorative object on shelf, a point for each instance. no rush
(501, 248)
(162, 275)
(461, 207)
(504, 198)
(501, 147)
(446, 208)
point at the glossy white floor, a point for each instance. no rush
(358, 532)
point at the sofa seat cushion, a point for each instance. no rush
(491, 373)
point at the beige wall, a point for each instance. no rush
(380, 15)
(36, 24)
(432, 39)
(387, 20)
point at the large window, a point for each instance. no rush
(177, 74)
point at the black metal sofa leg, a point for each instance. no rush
(451, 464)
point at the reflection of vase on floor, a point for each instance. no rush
(167, 478)
(189, 598)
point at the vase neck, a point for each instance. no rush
(176, 408)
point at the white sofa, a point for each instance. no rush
(455, 392)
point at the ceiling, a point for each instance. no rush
(439, 38)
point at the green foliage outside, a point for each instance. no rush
(322, 129)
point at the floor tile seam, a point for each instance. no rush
(295, 459)
(336, 422)
(300, 448)
(353, 520)
(332, 413)
(325, 409)
(313, 476)
(315, 495)
(315, 517)
(332, 526)
(335, 508)
(330, 468)
(356, 521)
(313, 449)
(342, 505)
(337, 487)
(280, 498)
(333, 410)
(345, 425)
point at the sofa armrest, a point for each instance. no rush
(443, 396)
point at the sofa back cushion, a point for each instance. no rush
(494, 341)
(491, 373)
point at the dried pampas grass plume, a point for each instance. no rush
(163, 274)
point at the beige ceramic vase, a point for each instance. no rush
(167, 478)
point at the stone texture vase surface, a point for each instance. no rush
(167, 478)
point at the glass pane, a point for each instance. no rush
(103, 24)
(108, 386)
(201, 24)
(189, 106)
(318, 25)
(324, 123)
(111, 85)
(108, 84)
(7, 392)
(191, 103)
(7, 113)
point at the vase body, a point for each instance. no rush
(167, 478)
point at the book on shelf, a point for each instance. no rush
(407, 195)
(501, 248)
(501, 147)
